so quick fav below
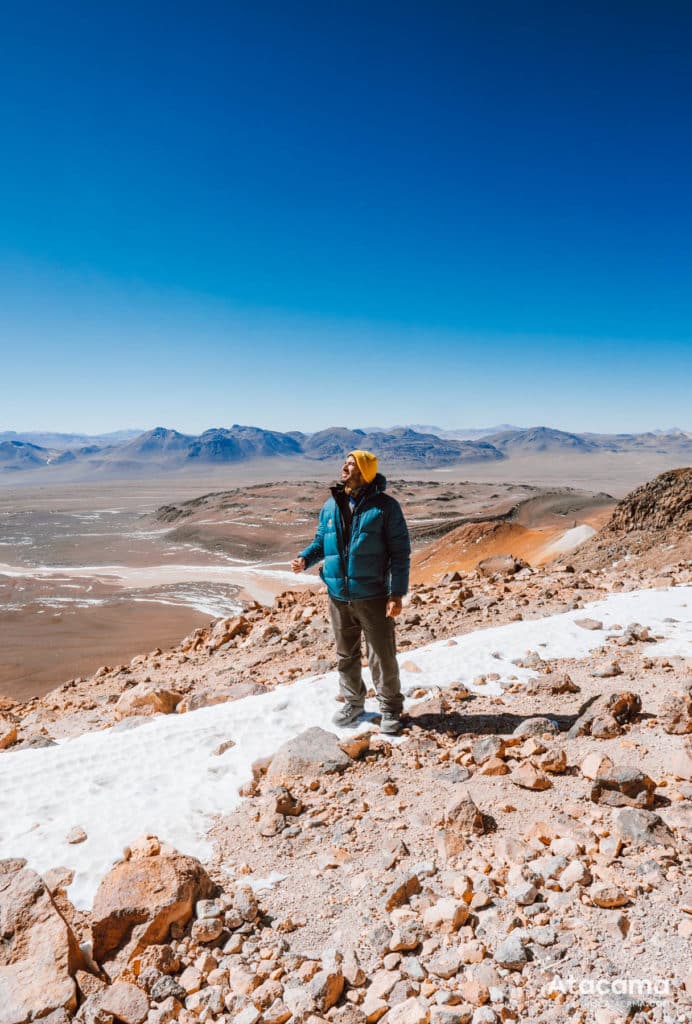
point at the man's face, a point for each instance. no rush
(350, 474)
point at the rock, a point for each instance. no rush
(207, 929)
(356, 746)
(624, 787)
(8, 733)
(486, 748)
(604, 726)
(228, 629)
(528, 777)
(524, 894)
(609, 896)
(412, 1011)
(475, 992)
(462, 818)
(612, 668)
(166, 987)
(126, 1002)
(351, 969)
(553, 683)
(553, 760)
(325, 989)
(639, 828)
(383, 982)
(147, 699)
(484, 1015)
(536, 727)
(138, 901)
(39, 952)
(494, 766)
(624, 706)
(223, 747)
(191, 980)
(76, 835)
(596, 722)
(576, 873)
(589, 623)
(675, 713)
(406, 936)
(445, 964)
(456, 1014)
(277, 1013)
(410, 666)
(308, 756)
(503, 565)
(595, 764)
(249, 1015)
(401, 892)
(447, 914)
(512, 953)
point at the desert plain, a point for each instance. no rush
(92, 573)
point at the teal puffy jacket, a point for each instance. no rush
(375, 561)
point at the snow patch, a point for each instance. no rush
(163, 776)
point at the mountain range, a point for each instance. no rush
(164, 450)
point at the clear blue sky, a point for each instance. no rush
(302, 214)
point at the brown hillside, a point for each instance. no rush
(663, 503)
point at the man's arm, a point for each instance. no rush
(399, 548)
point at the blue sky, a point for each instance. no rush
(297, 215)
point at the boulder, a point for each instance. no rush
(638, 828)
(675, 713)
(504, 565)
(551, 683)
(147, 699)
(486, 748)
(589, 623)
(126, 1002)
(595, 764)
(604, 719)
(140, 898)
(624, 706)
(309, 756)
(536, 727)
(462, 818)
(39, 952)
(512, 953)
(528, 777)
(228, 629)
(624, 787)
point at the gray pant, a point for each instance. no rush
(349, 620)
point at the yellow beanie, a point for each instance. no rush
(367, 464)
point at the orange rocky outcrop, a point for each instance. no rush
(39, 953)
(139, 900)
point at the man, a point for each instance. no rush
(363, 539)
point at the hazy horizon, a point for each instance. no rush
(418, 427)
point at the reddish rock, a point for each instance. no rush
(147, 699)
(139, 900)
(39, 953)
(675, 713)
(624, 787)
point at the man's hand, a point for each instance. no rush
(298, 564)
(393, 607)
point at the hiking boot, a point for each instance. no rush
(347, 715)
(390, 723)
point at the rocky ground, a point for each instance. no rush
(521, 857)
